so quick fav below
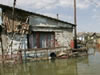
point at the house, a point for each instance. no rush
(33, 31)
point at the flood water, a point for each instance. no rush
(87, 65)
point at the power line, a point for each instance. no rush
(49, 4)
(93, 2)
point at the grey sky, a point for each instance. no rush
(88, 11)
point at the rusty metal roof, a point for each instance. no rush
(32, 13)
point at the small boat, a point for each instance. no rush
(62, 55)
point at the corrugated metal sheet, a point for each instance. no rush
(44, 22)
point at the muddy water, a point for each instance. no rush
(87, 65)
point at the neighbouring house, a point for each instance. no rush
(89, 37)
(33, 31)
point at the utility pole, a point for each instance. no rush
(75, 28)
(13, 11)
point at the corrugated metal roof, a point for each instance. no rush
(32, 13)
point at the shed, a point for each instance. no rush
(34, 30)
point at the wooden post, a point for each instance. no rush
(38, 39)
(13, 12)
(20, 56)
(2, 51)
(47, 53)
(1, 32)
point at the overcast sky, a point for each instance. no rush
(88, 11)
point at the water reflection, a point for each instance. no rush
(87, 65)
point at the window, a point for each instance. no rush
(41, 40)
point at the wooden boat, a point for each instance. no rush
(62, 55)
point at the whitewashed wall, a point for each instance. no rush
(64, 38)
